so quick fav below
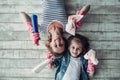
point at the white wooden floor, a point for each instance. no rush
(18, 55)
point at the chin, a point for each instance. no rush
(73, 56)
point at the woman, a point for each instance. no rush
(53, 21)
(56, 42)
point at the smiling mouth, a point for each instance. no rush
(75, 53)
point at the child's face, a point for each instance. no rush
(75, 48)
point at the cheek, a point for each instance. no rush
(70, 49)
(52, 44)
(62, 41)
(79, 52)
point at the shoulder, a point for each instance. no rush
(82, 58)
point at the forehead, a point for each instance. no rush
(76, 43)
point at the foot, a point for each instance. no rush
(25, 17)
(86, 8)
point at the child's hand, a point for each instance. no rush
(91, 55)
(90, 69)
(51, 57)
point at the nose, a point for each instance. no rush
(58, 42)
(74, 50)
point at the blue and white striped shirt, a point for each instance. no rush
(52, 10)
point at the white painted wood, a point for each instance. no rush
(101, 73)
(18, 55)
(94, 9)
(23, 54)
(17, 8)
(85, 27)
(15, 2)
(94, 2)
(41, 53)
(24, 36)
(90, 18)
(31, 63)
(23, 78)
(114, 45)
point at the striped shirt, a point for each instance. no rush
(52, 10)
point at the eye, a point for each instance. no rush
(73, 47)
(60, 45)
(78, 49)
(55, 45)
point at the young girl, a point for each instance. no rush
(73, 65)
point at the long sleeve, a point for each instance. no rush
(52, 10)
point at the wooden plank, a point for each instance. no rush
(18, 8)
(70, 8)
(14, 17)
(12, 27)
(21, 45)
(19, 35)
(85, 27)
(22, 78)
(107, 36)
(16, 36)
(20, 63)
(101, 73)
(93, 2)
(40, 53)
(108, 64)
(100, 27)
(106, 79)
(26, 73)
(95, 9)
(23, 54)
(14, 2)
(31, 63)
(111, 45)
(107, 73)
(102, 18)
(90, 18)
(108, 54)
(5, 78)
(29, 45)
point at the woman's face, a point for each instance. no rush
(57, 43)
(75, 49)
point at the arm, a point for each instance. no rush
(74, 21)
(92, 61)
(56, 62)
(48, 61)
(41, 66)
